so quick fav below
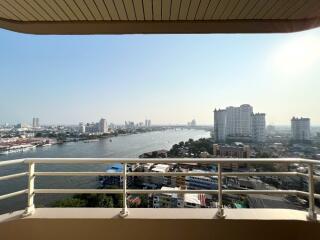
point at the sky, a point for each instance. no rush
(169, 79)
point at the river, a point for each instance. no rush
(120, 146)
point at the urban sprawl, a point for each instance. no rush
(237, 132)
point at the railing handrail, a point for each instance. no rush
(169, 160)
(12, 162)
(124, 173)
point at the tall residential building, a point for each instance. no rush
(35, 122)
(193, 123)
(103, 125)
(147, 123)
(82, 128)
(220, 123)
(300, 129)
(239, 122)
(129, 125)
(259, 127)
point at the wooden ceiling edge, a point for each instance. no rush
(159, 27)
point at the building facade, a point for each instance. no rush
(82, 128)
(174, 200)
(259, 127)
(147, 123)
(232, 151)
(103, 128)
(35, 122)
(300, 129)
(239, 122)
(220, 123)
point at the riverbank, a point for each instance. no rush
(121, 146)
(18, 144)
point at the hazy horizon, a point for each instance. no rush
(165, 78)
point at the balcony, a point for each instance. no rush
(223, 223)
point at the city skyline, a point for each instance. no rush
(30, 122)
(186, 77)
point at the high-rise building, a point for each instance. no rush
(193, 123)
(35, 122)
(238, 122)
(147, 123)
(103, 125)
(300, 129)
(259, 127)
(220, 122)
(129, 125)
(82, 128)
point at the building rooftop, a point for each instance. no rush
(160, 168)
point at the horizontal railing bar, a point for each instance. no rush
(77, 174)
(172, 174)
(9, 195)
(267, 192)
(169, 160)
(79, 191)
(317, 196)
(159, 191)
(119, 191)
(316, 177)
(11, 162)
(263, 174)
(13, 176)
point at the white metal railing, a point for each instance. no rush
(31, 190)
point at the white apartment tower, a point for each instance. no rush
(239, 122)
(259, 127)
(82, 128)
(300, 129)
(103, 125)
(147, 123)
(35, 122)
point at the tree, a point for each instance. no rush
(144, 201)
(105, 202)
(70, 202)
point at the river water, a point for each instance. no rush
(120, 146)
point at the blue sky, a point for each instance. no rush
(167, 78)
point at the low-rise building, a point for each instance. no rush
(236, 150)
(175, 200)
(201, 182)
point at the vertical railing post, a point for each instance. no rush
(312, 215)
(124, 212)
(30, 207)
(220, 213)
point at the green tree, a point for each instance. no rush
(70, 202)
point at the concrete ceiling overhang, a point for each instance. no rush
(158, 16)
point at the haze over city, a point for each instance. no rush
(169, 79)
